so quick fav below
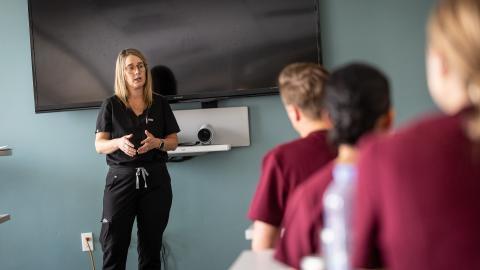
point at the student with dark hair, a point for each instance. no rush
(287, 165)
(357, 99)
(418, 197)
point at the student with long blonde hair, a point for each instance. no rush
(418, 197)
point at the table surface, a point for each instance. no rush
(256, 260)
(4, 217)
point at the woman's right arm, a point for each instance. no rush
(105, 145)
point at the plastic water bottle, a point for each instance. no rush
(337, 203)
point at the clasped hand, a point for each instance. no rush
(128, 148)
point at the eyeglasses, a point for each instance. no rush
(131, 68)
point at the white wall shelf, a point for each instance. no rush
(230, 125)
(197, 150)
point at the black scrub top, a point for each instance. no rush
(114, 117)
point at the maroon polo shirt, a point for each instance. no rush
(418, 199)
(283, 169)
(304, 219)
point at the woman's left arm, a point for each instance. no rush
(170, 142)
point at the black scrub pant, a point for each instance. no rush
(122, 202)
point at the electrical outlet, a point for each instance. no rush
(84, 237)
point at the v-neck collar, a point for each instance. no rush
(134, 114)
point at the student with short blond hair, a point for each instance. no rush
(289, 164)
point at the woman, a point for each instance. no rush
(357, 99)
(135, 128)
(418, 204)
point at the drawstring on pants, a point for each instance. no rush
(143, 172)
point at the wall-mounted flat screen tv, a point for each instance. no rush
(196, 49)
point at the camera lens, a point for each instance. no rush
(205, 134)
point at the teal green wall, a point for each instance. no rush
(52, 185)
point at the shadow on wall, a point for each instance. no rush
(163, 80)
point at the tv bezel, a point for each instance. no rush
(195, 97)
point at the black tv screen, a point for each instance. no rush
(195, 49)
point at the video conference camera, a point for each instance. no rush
(205, 134)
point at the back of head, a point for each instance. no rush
(454, 30)
(301, 84)
(356, 96)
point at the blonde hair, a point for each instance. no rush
(454, 29)
(121, 90)
(301, 84)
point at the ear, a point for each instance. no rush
(437, 61)
(385, 122)
(297, 113)
(390, 119)
(326, 118)
(293, 112)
